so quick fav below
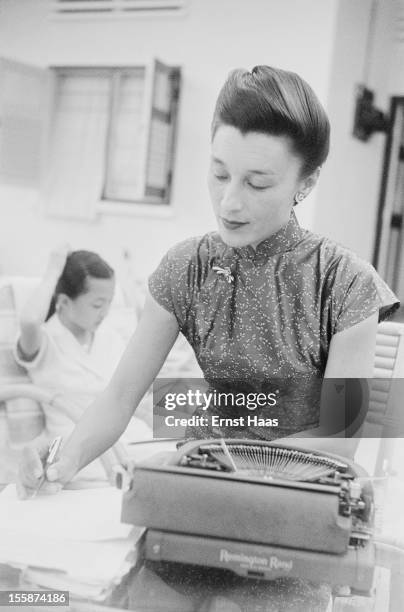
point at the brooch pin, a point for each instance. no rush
(225, 271)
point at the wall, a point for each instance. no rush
(347, 198)
(214, 37)
(396, 72)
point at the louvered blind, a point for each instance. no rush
(116, 8)
(126, 137)
(79, 134)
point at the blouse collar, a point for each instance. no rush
(282, 241)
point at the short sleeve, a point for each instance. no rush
(30, 364)
(359, 292)
(172, 284)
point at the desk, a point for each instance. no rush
(12, 579)
(137, 589)
(187, 590)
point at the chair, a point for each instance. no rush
(376, 453)
(384, 414)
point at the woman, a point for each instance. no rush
(260, 299)
(294, 305)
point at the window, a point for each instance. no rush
(111, 137)
(124, 167)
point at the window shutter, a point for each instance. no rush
(79, 132)
(163, 117)
(23, 105)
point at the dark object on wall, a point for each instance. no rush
(368, 119)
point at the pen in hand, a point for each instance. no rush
(49, 459)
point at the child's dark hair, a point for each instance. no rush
(73, 281)
(279, 103)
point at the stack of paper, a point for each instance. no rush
(72, 541)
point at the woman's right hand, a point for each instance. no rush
(31, 471)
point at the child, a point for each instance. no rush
(64, 342)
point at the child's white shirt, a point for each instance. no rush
(75, 373)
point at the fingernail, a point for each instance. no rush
(54, 487)
(37, 473)
(52, 473)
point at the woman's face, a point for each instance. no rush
(253, 179)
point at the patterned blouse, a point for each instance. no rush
(262, 320)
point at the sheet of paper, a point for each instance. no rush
(84, 514)
(73, 538)
(34, 579)
(93, 562)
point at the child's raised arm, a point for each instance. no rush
(36, 308)
(107, 417)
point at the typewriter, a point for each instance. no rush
(259, 509)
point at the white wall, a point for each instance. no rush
(348, 193)
(396, 72)
(217, 35)
(214, 37)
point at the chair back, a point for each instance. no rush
(385, 411)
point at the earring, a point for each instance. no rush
(299, 197)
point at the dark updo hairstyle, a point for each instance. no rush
(80, 265)
(279, 103)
